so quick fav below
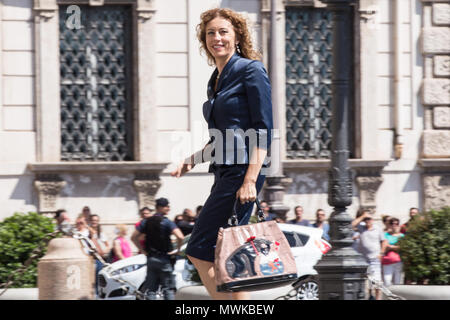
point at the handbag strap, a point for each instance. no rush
(234, 219)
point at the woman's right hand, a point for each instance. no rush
(182, 168)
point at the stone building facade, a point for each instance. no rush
(400, 155)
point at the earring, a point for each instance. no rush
(238, 48)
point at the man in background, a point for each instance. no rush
(298, 210)
(372, 245)
(320, 223)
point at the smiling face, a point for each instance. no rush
(220, 39)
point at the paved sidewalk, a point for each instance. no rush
(20, 294)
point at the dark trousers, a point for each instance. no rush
(159, 272)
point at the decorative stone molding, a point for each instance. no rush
(45, 8)
(368, 179)
(436, 183)
(97, 167)
(441, 66)
(307, 3)
(436, 190)
(145, 10)
(365, 173)
(436, 143)
(436, 91)
(441, 13)
(436, 40)
(441, 117)
(146, 186)
(368, 187)
(48, 187)
(146, 182)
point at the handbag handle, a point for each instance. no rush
(234, 219)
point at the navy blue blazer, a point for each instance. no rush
(239, 113)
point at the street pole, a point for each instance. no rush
(342, 271)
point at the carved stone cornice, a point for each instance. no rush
(368, 187)
(48, 187)
(145, 10)
(45, 9)
(146, 186)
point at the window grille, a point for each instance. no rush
(95, 68)
(308, 82)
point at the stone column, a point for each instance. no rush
(48, 187)
(436, 100)
(146, 132)
(273, 24)
(48, 135)
(146, 186)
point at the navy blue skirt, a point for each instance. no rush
(218, 209)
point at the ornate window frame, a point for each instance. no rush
(48, 167)
(47, 86)
(280, 93)
(367, 172)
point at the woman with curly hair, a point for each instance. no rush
(239, 116)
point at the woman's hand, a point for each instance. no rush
(247, 192)
(182, 168)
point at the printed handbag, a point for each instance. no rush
(253, 257)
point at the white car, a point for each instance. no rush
(121, 279)
(307, 248)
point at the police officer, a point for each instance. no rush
(158, 248)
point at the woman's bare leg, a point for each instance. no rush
(206, 272)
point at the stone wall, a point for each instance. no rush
(436, 99)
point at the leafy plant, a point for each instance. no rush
(20, 234)
(425, 249)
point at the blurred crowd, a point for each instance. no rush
(377, 245)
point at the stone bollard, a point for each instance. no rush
(66, 272)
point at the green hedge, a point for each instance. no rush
(425, 249)
(20, 234)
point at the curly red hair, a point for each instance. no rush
(240, 26)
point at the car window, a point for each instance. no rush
(291, 239)
(303, 238)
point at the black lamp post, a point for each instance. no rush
(342, 271)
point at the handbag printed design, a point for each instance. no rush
(244, 261)
(253, 257)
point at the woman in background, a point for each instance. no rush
(121, 246)
(391, 261)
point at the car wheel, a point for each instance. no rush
(307, 289)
